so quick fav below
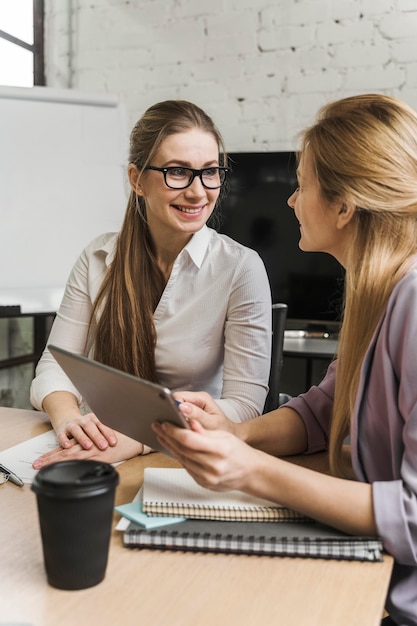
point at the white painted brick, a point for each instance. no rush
(404, 50)
(312, 58)
(304, 111)
(93, 81)
(324, 80)
(284, 37)
(142, 99)
(360, 54)
(180, 42)
(264, 64)
(374, 79)
(410, 97)
(243, 22)
(406, 5)
(232, 45)
(224, 112)
(168, 74)
(205, 92)
(254, 109)
(196, 8)
(347, 10)
(266, 132)
(119, 77)
(216, 69)
(376, 8)
(345, 31)
(239, 5)
(411, 75)
(124, 13)
(294, 13)
(242, 88)
(262, 68)
(400, 25)
(231, 35)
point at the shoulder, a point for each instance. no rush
(97, 254)
(243, 266)
(232, 248)
(403, 300)
(103, 245)
(400, 320)
(104, 242)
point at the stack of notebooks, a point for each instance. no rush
(173, 512)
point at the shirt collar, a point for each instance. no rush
(197, 246)
(110, 250)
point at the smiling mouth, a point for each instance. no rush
(189, 210)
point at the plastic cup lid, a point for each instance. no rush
(75, 479)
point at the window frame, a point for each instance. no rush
(37, 48)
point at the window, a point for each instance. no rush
(21, 43)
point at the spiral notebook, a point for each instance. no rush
(171, 491)
(304, 539)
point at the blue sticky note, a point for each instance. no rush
(133, 512)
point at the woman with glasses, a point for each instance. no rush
(167, 298)
(356, 200)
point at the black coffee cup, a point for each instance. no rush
(75, 506)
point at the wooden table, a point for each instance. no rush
(157, 588)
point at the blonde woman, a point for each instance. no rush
(168, 298)
(356, 200)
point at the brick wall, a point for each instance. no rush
(260, 68)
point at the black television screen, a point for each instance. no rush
(255, 212)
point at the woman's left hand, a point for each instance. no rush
(125, 448)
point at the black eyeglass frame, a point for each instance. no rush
(193, 174)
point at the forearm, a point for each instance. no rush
(344, 504)
(218, 460)
(247, 343)
(280, 433)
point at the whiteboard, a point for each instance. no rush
(63, 157)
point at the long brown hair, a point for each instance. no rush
(122, 330)
(364, 150)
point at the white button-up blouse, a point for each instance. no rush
(213, 322)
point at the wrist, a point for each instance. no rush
(241, 431)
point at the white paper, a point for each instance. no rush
(19, 458)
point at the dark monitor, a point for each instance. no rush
(255, 212)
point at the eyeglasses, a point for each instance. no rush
(182, 177)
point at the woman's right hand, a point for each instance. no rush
(216, 459)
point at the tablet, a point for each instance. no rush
(124, 402)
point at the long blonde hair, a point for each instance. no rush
(121, 329)
(364, 150)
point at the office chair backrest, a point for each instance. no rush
(279, 317)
